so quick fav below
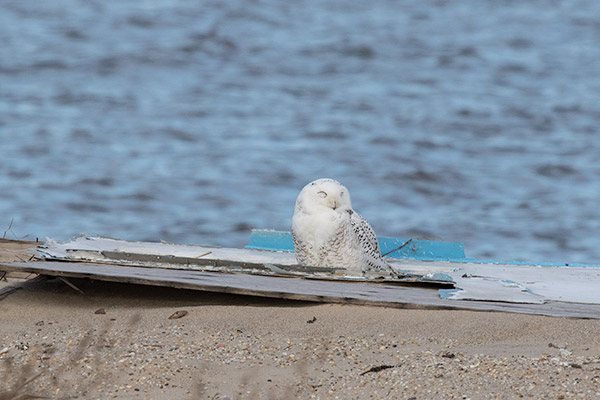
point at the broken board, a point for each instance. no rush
(366, 293)
(458, 283)
(468, 279)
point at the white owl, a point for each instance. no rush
(327, 232)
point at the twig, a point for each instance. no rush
(27, 396)
(397, 248)
(202, 255)
(33, 378)
(71, 285)
(18, 254)
(8, 229)
(378, 368)
(21, 258)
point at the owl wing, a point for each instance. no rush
(301, 250)
(368, 242)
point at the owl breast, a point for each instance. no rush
(326, 241)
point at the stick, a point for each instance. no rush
(71, 285)
(8, 229)
(398, 248)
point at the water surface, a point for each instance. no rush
(193, 122)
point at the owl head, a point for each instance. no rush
(323, 194)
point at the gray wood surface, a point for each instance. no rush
(378, 294)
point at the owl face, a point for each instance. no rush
(324, 194)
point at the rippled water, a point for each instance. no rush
(194, 122)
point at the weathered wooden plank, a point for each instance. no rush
(76, 249)
(164, 255)
(472, 280)
(295, 288)
(208, 261)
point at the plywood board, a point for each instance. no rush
(471, 280)
(294, 288)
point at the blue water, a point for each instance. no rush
(193, 122)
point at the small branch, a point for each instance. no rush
(8, 229)
(71, 285)
(378, 368)
(21, 258)
(397, 248)
(33, 378)
(27, 396)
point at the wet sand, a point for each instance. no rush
(117, 341)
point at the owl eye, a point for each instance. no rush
(322, 194)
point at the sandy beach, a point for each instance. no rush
(118, 341)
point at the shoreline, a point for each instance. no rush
(117, 341)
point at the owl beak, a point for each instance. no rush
(334, 204)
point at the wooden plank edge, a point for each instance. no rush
(227, 289)
(252, 268)
(553, 309)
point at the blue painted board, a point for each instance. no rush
(391, 247)
(421, 249)
(263, 239)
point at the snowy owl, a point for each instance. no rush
(327, 232)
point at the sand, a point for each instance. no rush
(117, 341)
